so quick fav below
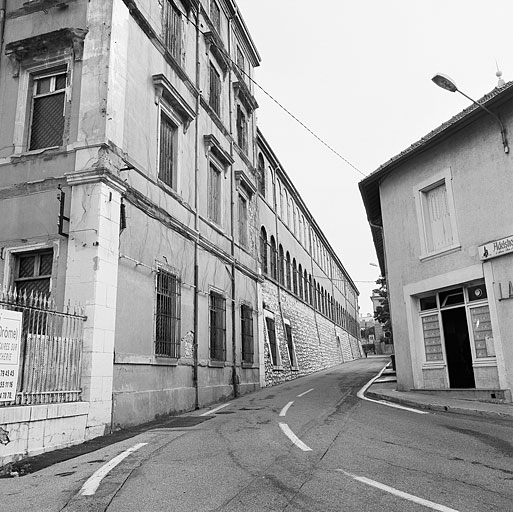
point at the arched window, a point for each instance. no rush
(283, 206)
(273, 258)
(300, 281)
(281, 266)
(288, 270)
(294, 276)
(310, 290)
(263, 250)
(286, 218)
(299, 228)
(261, 174)
(294, 219)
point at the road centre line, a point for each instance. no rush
(92, 483)
(285, 409)
(304, 393)
(286, 430)
(410, 497)
(213, 411)
(361, 395)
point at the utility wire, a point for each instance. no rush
(287, 111)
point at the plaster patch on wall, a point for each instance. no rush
(188, 345)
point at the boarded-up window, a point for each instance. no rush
(214, 99)
(214, 194)
(167, 339)
(437, 218)
(217, 327)
(246, 318)
(47, 123)
(432, 338)
(172, 29)
(166, 157)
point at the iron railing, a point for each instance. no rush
(51, 349)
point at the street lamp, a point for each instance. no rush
(448, 84)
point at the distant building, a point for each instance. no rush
(440, 214)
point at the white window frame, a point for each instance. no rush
(11, 253)
(419, 192)
(165, 110)
(24, 104)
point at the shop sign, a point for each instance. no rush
(10, 341)
(496, 248)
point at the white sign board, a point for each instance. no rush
(496, 248)
(10, 341)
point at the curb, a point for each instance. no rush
(438, 408)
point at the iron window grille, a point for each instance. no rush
(167, 339)
(215, 15)
(214, 194)
(214, 99)
(172, 29)
(48, 115)
(246, 318)
(33, 272)
(217, 327)
(243, 221)
(242, 130)
(167, 147)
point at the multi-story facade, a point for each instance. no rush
(310, 306)
(129, 184)
(441, 221)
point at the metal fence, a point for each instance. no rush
(51, 350)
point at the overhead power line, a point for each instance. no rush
(286, 110)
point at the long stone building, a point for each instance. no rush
(133, 181)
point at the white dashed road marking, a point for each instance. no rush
(213, 411)
(286, 430)
(285, 409)
(303, 394)
(410, 497)
(89, 488)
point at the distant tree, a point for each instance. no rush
(382, 313)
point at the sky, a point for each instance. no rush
(358, 73)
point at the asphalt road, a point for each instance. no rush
(307, 445)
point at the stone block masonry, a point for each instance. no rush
(317, 342)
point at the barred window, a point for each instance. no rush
(242, 130)
(33, 271)
(214, 194)
(48, 100)
(214, 98)
(215, 15)
(167, 328)
(167, 148)
(217, 327)
(263, 250)
(246, 318)
(172, 29)
(243, 221)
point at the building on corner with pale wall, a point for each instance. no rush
(129, 185)
(440, 214)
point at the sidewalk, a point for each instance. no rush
(384, 388)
